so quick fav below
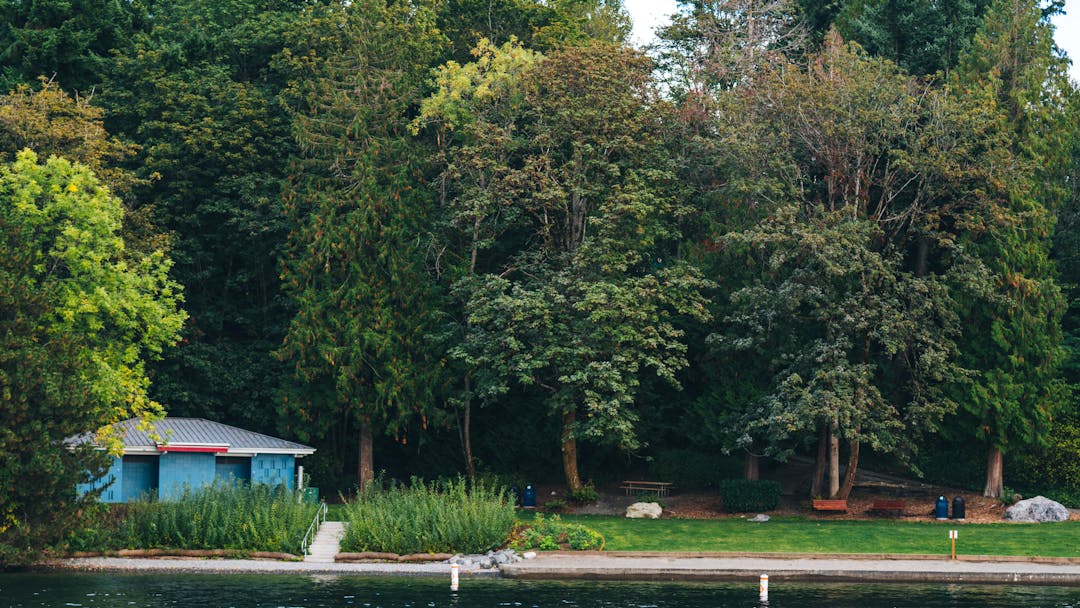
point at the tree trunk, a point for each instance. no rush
(569, 452)
(852, 469)
(750, 467)
(834, 461)
(819, 464)
(995, 476)
(922, 255)
(466, 431)
(367, 466)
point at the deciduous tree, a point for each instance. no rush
(79, 317)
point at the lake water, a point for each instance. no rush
(273, 591)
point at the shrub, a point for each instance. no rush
(444, 517)
(583, 495)
(555, 504)
(744, 495)
(224, 515)
(552, 534)
(652, 497)
(1052, 471)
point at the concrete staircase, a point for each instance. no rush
(326, 543)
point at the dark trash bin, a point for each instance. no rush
(958, 508)
(529, 498)
(941, 508)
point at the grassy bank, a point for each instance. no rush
(445, 517)
(221, 516)
(813, 536)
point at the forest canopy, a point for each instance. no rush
(435, 237)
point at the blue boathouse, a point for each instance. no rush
(192, 452)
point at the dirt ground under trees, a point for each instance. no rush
(919, 504)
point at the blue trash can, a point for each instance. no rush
(528, 500)
(941, 508)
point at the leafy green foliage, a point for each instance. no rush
(746, 495)
(68, 40)
(552, 534)
(80, 318)
(584, 494)
(858, 334)
(198, 93)
(1052, 470)
(224, 515)
(447, 517)
(575, 176)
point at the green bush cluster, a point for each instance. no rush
(744, 495)
(553, 534)
(442, 517)
(582, 495)
(224, 515)
(1053, 471)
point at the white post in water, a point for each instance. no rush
(763, 588)
(453, 577)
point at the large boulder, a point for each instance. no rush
(1037, 510)
(644, 510)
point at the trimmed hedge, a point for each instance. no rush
(745, 495)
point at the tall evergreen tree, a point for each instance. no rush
(1013, 339)
(920, 36)
(69, 42)
(358, 213)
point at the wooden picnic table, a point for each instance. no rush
(660, 488)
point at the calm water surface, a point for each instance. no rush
(286, 591)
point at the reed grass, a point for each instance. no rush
(224, 515)
(442, 517)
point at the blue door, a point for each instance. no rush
(140, 475)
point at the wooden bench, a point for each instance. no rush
(660, 488)
(889, 506)
(830, 505)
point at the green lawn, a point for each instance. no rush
(813, 536)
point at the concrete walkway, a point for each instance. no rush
(656, 567)
(327, 543)
(255, 566)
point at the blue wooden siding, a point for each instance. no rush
(140, 476)
(273, 469)
(184, 469)
(232, 467)
(114, 477)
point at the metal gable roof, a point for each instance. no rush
(200, 432)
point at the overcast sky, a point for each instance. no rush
(647, 14)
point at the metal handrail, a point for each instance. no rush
(313, 529)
